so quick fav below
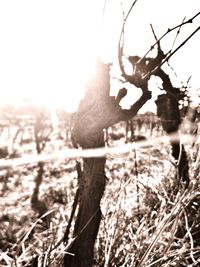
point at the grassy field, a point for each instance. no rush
(148, 218)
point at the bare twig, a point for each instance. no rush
(179, 29)
(124, 21)
(182, 44)
(170, 54)
(120, 44)
(153, 32)
(168, 31)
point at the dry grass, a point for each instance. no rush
(154, 221)
(148, 219)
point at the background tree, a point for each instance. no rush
(42, 131)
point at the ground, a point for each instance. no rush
(147, 216)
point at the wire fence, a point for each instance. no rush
(115, 151)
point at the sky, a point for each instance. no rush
(48, 48)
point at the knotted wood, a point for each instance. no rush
(96, 112)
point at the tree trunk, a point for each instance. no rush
(89, 214)
(92, 185)
(97, 111)
(168, 111)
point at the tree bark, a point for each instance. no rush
(89, 214)
(96, 112)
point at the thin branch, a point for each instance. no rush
(153, 32)
(120, 44)
(172, 70)
(179, 29)
(182, 44)
(170, 30)
(130, 11)
(125, 19)
(169, 55)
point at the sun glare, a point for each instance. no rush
(47, 51)
(48, 48)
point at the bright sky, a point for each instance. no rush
(47, 48)
(163, 15)
(45, 55)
